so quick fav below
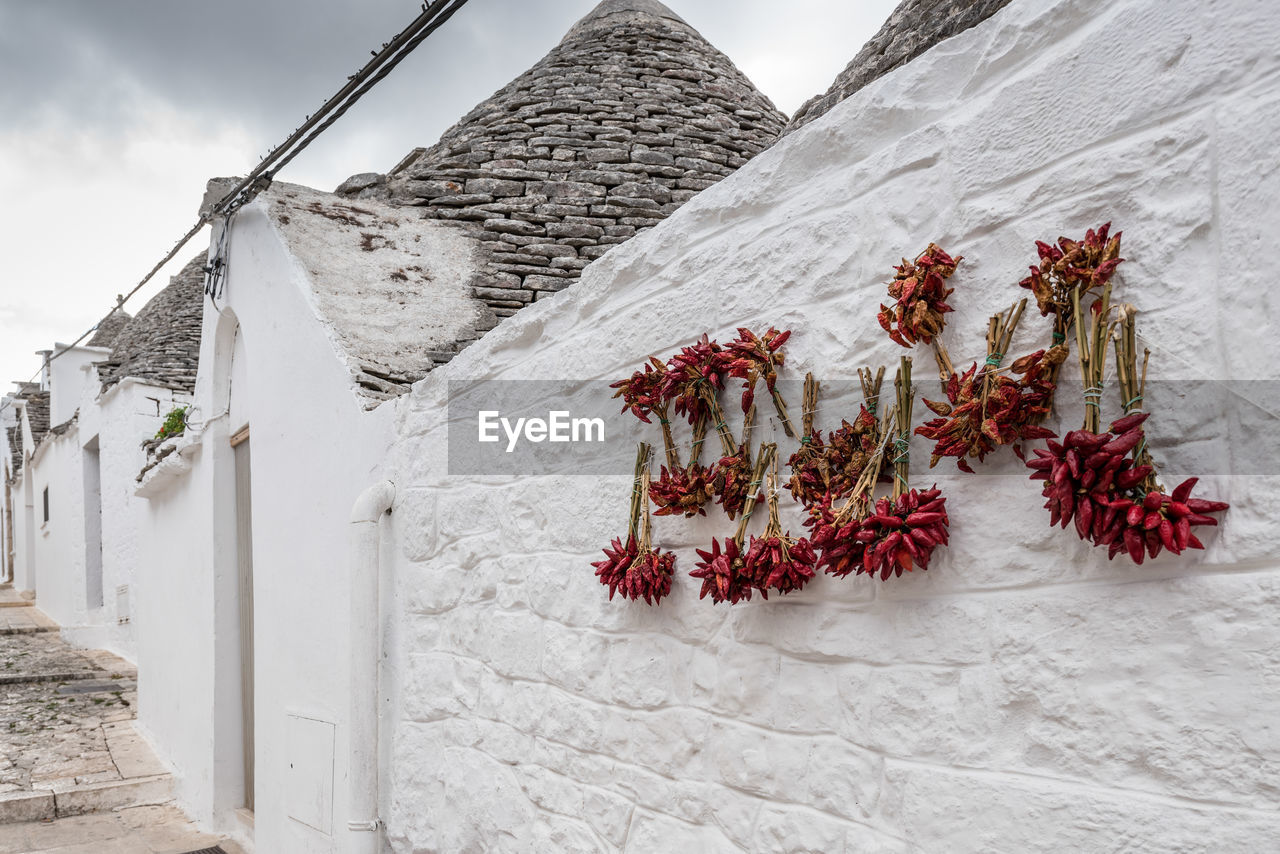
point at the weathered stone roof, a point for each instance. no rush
(621, 123)
(914, 27)
(108, 328)
(14, 435)
(161, 345)
(396, 291)
(38, 415)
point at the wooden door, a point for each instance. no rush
(244, 559)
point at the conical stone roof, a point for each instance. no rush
(161, 344)
(626, 119)
(109, 328)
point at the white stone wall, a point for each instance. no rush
(121, 419)
(1024, 694)
(58, 545)
(314, 448)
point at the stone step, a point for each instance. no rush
(26, 630)
(68, 799)
(20, 678)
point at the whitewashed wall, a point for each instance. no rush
(121, 419)
(314, 449)
(1024, 694)
(24, 524)
(58, 547)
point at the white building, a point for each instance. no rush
(76, 525)
(455, 679)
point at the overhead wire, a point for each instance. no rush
(391, 54)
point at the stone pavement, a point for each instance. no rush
(75, 776)
(155, 829)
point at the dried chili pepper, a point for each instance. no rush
(1105, 481)
(1085, 264)
(903, 532)
(809, 473)
(721, 573)
(683, 491)
(919, 292)
(835, 537)
(755, 357)
(968, 429)
(721, 569)
(642, 393)
(830, 469)
(638, 570)
(692, 378)
(732, 477)
(849, 449)
(775, 560)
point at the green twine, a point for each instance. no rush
(1132, 402)
(806, 440)
(1059, 337)
(1092, 396)
(903, 446)
(994, 360)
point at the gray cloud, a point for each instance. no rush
(137, 102)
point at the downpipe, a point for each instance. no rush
(364, 834)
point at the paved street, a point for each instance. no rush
(75, 776)
(158, 829)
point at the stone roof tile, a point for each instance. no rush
(161, 345)
(625, 120)
(38, 415)
(108, 329)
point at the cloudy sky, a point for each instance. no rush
(114, 113)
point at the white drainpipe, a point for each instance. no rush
(364, 827)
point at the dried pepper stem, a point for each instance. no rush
(668, 442)
(767, 454)
(1091, 342)
(1000, 331)
(774, 526)
(717, 415)
(781, 405)
(946, 370)
(645, 541)
(902, 427)
(699, 439)
(1133, 386)
(639, 488)
(859, 500)
(871, 387)
(810, 403)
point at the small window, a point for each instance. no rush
(46, 504)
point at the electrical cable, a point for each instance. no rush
(391, 54)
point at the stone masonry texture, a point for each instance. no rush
(914, 27)
(1024, 694)
(109, 328)
(161, 345)
(630, 116)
